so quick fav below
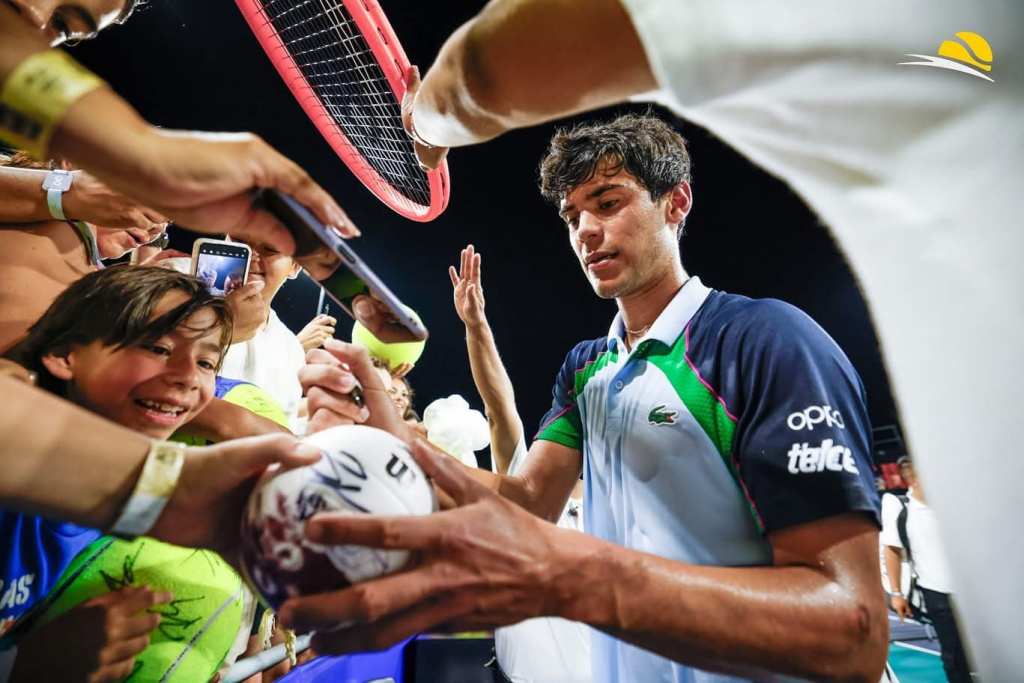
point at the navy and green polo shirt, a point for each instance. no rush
(733, 417)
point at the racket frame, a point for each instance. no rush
(393, 62)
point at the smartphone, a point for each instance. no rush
(221, 265)
(349, 277)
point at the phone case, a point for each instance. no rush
(310, 234)
(197, 250)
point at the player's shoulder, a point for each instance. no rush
(764, 323)
(723, 309)
(585, 352)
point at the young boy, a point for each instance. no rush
(140, 346)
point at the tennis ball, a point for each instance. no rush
(395, 353)
(363, 471)
(199, 626)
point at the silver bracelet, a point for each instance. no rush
(157, 482)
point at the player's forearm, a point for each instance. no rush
(61, 461)
(121, 161)
(83, 132)
(489, 77)
(22, 199)
(446, 112)
(894, 567)
(495, 388)
(795, 619)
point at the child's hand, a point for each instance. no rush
(96, 641)
(316, 331)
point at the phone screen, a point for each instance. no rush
(222, 267)
(345, 286)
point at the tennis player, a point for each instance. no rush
(898, 125)
(711, 502)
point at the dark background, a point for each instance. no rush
(194, 64)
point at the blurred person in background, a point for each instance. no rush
(269, 355)
(910, 531)
(43, 254)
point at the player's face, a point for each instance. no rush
(624, 240)
(272, 267)
(116, 242)
(62, 21)
(156, 388)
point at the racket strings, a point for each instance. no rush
(341, 69)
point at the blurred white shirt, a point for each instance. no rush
(271, 360)
(915, 172)
(925, 541)
(548, 649)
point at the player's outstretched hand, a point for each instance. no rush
(96, 641)
(467, 289)
(206, 506)
(486, 563)
(342, 387)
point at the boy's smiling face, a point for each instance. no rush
(154, 388)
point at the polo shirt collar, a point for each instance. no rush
(671, 322)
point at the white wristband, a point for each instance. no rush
(415, 136)
(56, 183)
(159, 477)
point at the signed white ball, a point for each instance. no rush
(363, 471)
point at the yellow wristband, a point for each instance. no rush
(37, 94)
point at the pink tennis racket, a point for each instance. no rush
(345, 66)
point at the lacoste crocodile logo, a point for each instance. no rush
(660, 415)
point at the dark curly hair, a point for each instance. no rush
(643, 145)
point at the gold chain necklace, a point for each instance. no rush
(638, 333)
